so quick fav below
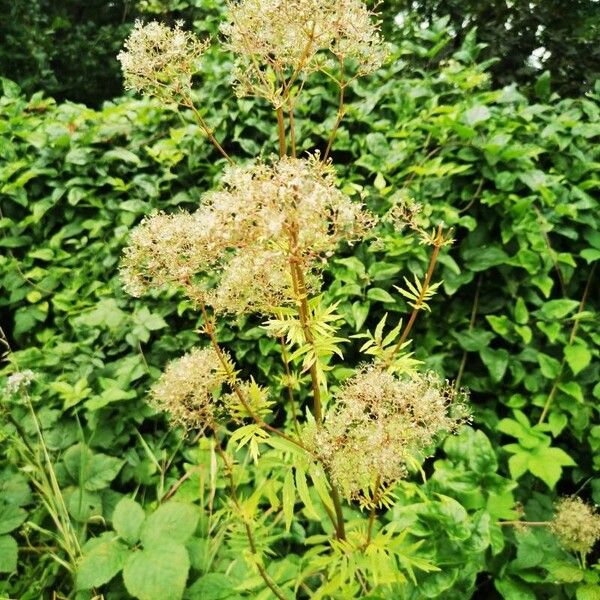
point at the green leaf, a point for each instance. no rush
(590, 255)
(212, 586)
(550, 367)
(578, 357)
(93, 470)
(573, 389)
(474, 340)
(377, 144)
(122, 155)
(289, 499)
(11, 517)
(542, 86)
(383, 271)
(546, 463)
(477, 114)
(360, 311)
(380, 295)
(588, 592)
(511, 589)
(159, 572)
(175, 521)
(565, 572)
(496, 361)
(482, 259)
(103, 558)
(127, 520)
(8, 554)
(557, 309)
(521, 312)
(500, 324)
(304, 494)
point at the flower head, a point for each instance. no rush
(166, 249)
(19, 381)
(236, 251)
(576, 525)
(383, 425)
(160, 61)
(295, 37)
(187, 388)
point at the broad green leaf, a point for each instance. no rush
(558, 309)
(8, 554)
(122, 155)
(103, 558)
(11, 517)
(380, 295)
(588, 592)
(573, 389)
(512, 589)
(565, 572)
(549, 366)
(482, 259)
(360, 311)
(93, 470)
(546, 463)
(158, 572)
(474, 340)
(521, 312)
(578, 357)
(212, 586)
(477, 114)
(127, 520)
(518, 465)
(174, 521)
(496, 361)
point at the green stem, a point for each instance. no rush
(574, 329)
(424, 288)
(281, 132)
(251, 542)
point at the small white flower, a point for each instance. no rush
(19, 381)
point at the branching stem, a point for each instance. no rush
(207, 130)
(251, 541)
(210, 331)
(425, 286)
(338, 120)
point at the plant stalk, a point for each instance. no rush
(424, 288)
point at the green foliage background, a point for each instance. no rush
(516, 177)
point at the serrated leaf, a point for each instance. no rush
(127, 520)
(8, 554)
(102, 559)
(157, 573)
(93, 470)
(174, 521)
(11, 517)
(288, 499)
(304, 494)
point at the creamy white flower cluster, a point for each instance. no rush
(160, 61)
(237, 252)
(383, 425)
(274, 40)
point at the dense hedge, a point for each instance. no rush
(517, 321)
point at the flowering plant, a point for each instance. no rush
(259, 245)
